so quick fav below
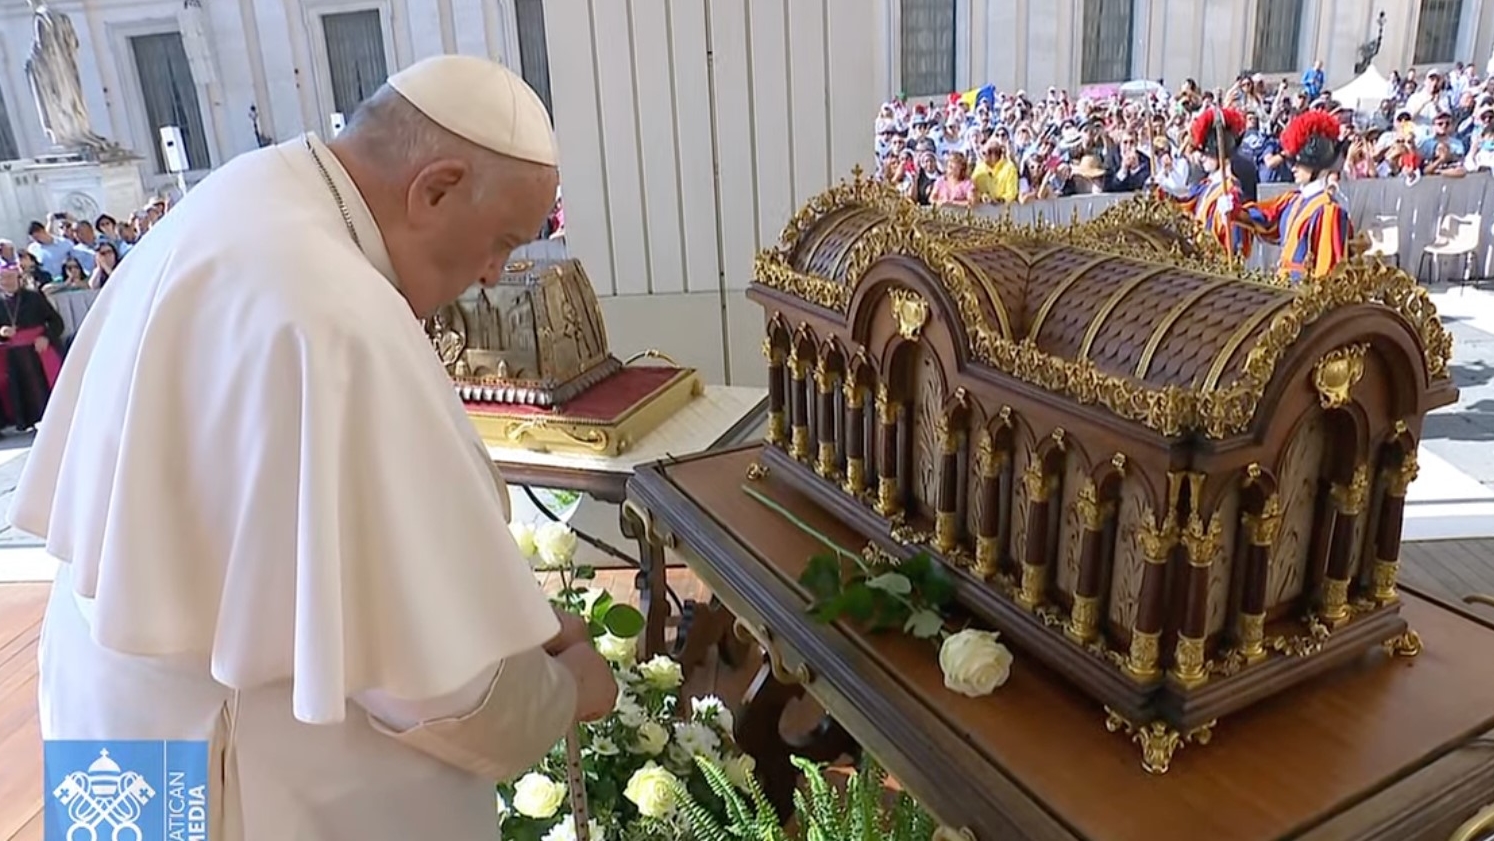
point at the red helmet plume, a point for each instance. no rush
(1306, 126)
(1203, 132)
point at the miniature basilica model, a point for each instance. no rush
(1176, 483)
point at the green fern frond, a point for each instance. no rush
(824, 809)
(703, 825)
(736, 809)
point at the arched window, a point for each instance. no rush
(928, 47)
(1278, 34)
(1108, 28)
(1437, 31)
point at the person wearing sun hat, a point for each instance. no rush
(1310, 224)
(1216, 133)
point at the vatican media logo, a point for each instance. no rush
(126, 791)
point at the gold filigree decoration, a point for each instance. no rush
(1399, 480)
(1351, 498)
(1337, 373)
(911, 311)
(939, 240)
(1302, 645)
(1203, 544)
(1407, 645)
(1092, 513)
(1159, 743)
(756, 472)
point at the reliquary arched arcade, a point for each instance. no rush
(1176, 483)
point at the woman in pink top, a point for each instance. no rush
(955, 186)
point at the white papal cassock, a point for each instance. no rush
(267, 498)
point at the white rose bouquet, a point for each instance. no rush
(637, 758)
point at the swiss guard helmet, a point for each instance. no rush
(1206, 134)
(1310, 141)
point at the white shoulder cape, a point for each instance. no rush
(253, 454)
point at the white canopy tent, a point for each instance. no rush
(1365, 93)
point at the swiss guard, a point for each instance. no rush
(1216, 132)
(1309, 223)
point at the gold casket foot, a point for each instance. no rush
(1157, 740)
(1406, 645)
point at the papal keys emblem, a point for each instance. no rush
(104, 795)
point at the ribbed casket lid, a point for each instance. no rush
(1138, 310)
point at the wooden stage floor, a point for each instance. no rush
(1450, 569)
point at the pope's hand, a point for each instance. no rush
(573, 631)
(596, 688)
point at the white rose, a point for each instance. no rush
(523, 537)
(662, 673)
(566, 830)
(710, 709)
(974, 663)
(555, 543)
(652, 739)
(538, 796)
(739, 770)
(617, 650)
(652, 790)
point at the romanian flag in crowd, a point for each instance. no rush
(975, 95)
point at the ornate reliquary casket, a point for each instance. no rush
(528, 355)
(1178, 484)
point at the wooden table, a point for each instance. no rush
(723, 416)
(1389, 750)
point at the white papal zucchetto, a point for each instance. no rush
(481, 101)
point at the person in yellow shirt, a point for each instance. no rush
(995, 176)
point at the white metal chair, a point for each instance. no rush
(1457, 236)
(1385, 240)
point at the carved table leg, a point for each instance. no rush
(652, 581)
(703, 627)
(759, 725)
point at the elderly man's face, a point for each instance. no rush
(10, 281)
(463, 223)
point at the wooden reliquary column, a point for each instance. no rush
(826, 460)
(1388, 529)
(777, 421)
(855, 397)
(946, 510)
(1202, 546)
(990, 462)
(799, 406)
(1156, 541)
(1260, 535)
(889, 504)
(1084, 618)
(1348, 501)
(1040, 487)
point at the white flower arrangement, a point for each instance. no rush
(636, 759)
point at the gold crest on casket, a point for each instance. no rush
(1178, 483)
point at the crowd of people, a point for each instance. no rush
(988, 146)
(63, 253)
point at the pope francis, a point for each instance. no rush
(278, 530)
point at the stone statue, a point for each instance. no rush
(52, 70)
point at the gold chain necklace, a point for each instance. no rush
(342, 206)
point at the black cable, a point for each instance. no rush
(600, 545)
